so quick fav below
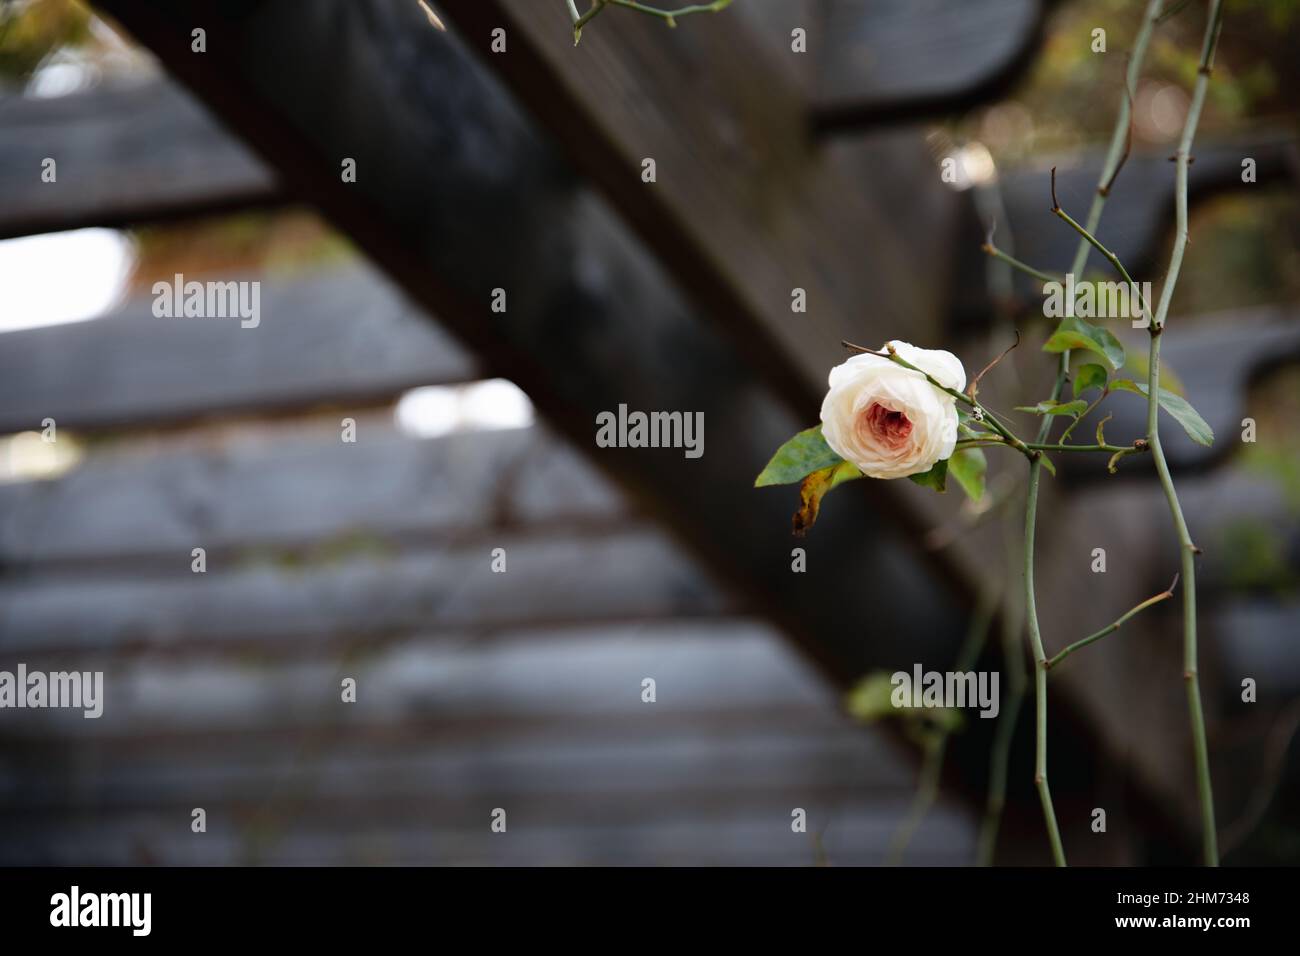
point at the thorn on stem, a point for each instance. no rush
(1056, 206)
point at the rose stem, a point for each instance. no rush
(1136, 447)
(1000, 755)
(1015, 263)
(1040, 668)
(1209, 836)
(1114, 160)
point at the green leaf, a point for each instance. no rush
(872, 699)
(815, 487)
(1088, 376)
(968, 466)
(1198, 430)
(798, 458)
(1049, 407)
(1074, 333)
(936, 477)
(1047, 463)
(869, 699)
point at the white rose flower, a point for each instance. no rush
(889, 420)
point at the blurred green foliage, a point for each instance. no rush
(1069, 98)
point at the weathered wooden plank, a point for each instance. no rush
(361, 591)
(345, 335)
(278, 763)
(589, 671)
(125, 154)
(905, 60)
(457, 194)
(640, 766)
(744, 208)
(274, 487)
(31, 735)
(854, 837)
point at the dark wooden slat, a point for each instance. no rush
(270, 488)
(364, 591)
(32, 734)
(741, 731)
(856, 837)
(341, 336)
(645, 766)
(592, 672)
(904, 60)
(125, 155)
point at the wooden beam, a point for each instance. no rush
(457, 194)
(341, 336)
(125, 154)
(745, 208)
(910, 60)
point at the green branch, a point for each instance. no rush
(1120, 138)
(1015, 263)
(1188, 550)
(1112, 627)
(1092, 240)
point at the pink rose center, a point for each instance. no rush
(885, 427)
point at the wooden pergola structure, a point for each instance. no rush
(520, 171)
